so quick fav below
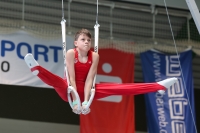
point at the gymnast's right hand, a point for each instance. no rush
(75, 107)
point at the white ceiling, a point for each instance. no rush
(181, 4)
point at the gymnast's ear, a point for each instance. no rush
(75, 43)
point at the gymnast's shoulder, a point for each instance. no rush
(70, 52)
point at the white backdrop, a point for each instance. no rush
(13, 47)
(48, 53)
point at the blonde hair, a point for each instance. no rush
(82, 31)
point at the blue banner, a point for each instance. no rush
(171, 112)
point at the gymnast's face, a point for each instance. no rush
(83, 43)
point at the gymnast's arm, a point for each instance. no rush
(90, 76)
(70, 55)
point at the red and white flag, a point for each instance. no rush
(113, 114)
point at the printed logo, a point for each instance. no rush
(107, 68)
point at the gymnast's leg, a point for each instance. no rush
(59, 84)
(108, 89)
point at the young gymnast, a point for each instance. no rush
(82, 66)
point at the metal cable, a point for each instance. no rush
(180, 65)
